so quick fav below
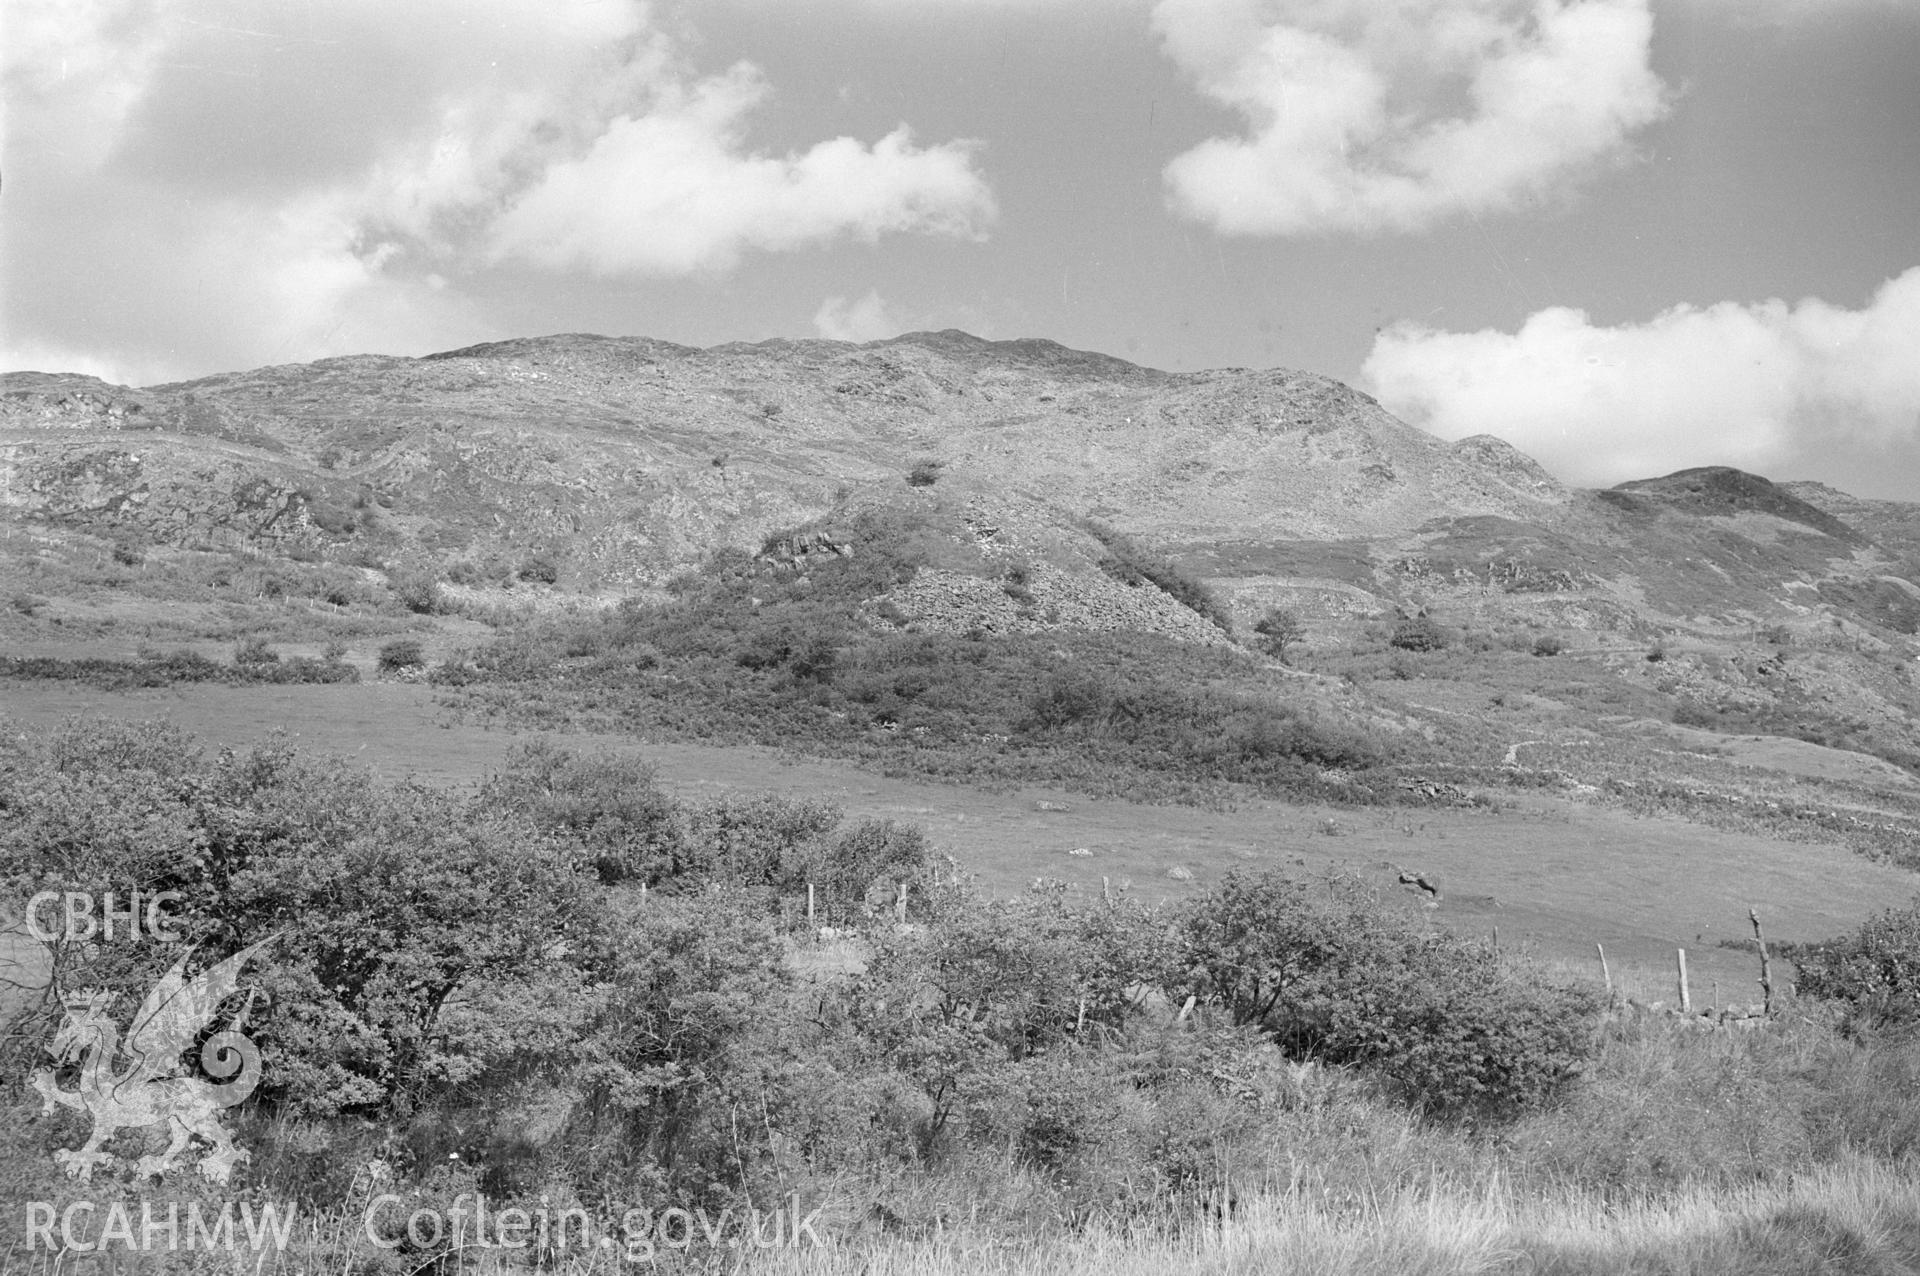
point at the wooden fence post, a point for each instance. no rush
(901, 907)
(1766, 966)
(1686, 999)
(1604, 972)
(810, 906)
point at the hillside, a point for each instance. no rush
(1017, 489)
(638, 457)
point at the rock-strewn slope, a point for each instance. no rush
(638, 456)
(625, 461)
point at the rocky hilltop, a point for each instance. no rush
(636, 457)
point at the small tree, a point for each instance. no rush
(1418, 633)
(1279, 629)
(402, 653)
(417, 591)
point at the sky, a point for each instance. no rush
(1628, 236)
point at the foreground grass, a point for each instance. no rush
(1860, 1217)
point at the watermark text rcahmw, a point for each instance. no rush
(87, 1227)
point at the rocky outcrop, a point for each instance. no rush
(801, 550)
(952, 602)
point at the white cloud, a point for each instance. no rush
(867, 319)
(1388, 115)
(1755, 386)
(73, 70)
(203, 184)
(673, 190)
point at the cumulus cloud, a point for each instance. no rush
(1765, 387)
(867, 319)
(1388, 115)
(201, 184)
(673, 190)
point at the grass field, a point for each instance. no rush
(1552, 874)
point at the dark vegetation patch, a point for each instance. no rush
(1879, 602)
(253, 663)
(1796, 717)
(401, 654)
(1718, 490)
(1803, 817)
(1418, 633)
(1349, 560)
(541, 569)
(750, 650)
(1874, 972)
(1131, 564)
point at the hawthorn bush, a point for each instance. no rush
(995, 983)
(1874, 972)
(609, 807)
(1333, 974)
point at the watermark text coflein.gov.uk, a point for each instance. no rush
(470, 1222)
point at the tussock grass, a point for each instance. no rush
(1858, 1217)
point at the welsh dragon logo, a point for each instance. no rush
(149, 1089)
